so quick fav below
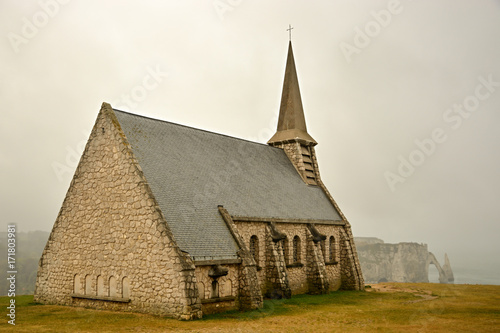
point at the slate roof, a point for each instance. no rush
(192, 171)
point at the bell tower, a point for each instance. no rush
(291, 134)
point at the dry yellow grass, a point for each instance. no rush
(388, 307)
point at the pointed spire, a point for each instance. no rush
(291, 121)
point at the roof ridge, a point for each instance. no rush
(194, 128)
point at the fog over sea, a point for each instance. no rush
(467, 275)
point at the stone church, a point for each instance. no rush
(175, 221)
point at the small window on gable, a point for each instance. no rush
(112, 287)
(126, 287)
(296, 250)
(100, 286)
(77, 285)
(88, 285)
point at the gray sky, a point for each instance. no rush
(382, 85)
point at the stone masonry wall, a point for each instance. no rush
(352, 277)
(294, 152)
(110, 243)
(228, 285)
(227, 288)
(332, 266)
(249, 294)
(296, 272)
(247, 230)
(297, 275)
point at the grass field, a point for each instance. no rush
(387, 307)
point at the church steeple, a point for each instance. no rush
(291, 135)
(291, 121)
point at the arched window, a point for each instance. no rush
(254, 248)
(100, 286)
(126, 287)
(332, 249)
(227, 288)
(77, 284)
(88, 285)
(201, 290)
(286, 250)
(112, 286)
(296, 250)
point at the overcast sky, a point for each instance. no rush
(402, 96)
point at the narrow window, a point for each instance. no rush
(88, 285)
(215, 289)
(254, 248)
(100, 286)
(332, 249)
(323, 249)
(126, 287)
(296, 249)
(227, 288)
(77, 287)
(112, 287)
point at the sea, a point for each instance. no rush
(467, 275)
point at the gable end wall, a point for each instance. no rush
(110, 228)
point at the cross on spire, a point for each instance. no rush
(289, 31)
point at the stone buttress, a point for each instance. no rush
(277, 285)
(316, 269)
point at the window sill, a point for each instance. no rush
(218, 299)
(297, 264)
(102, 298)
